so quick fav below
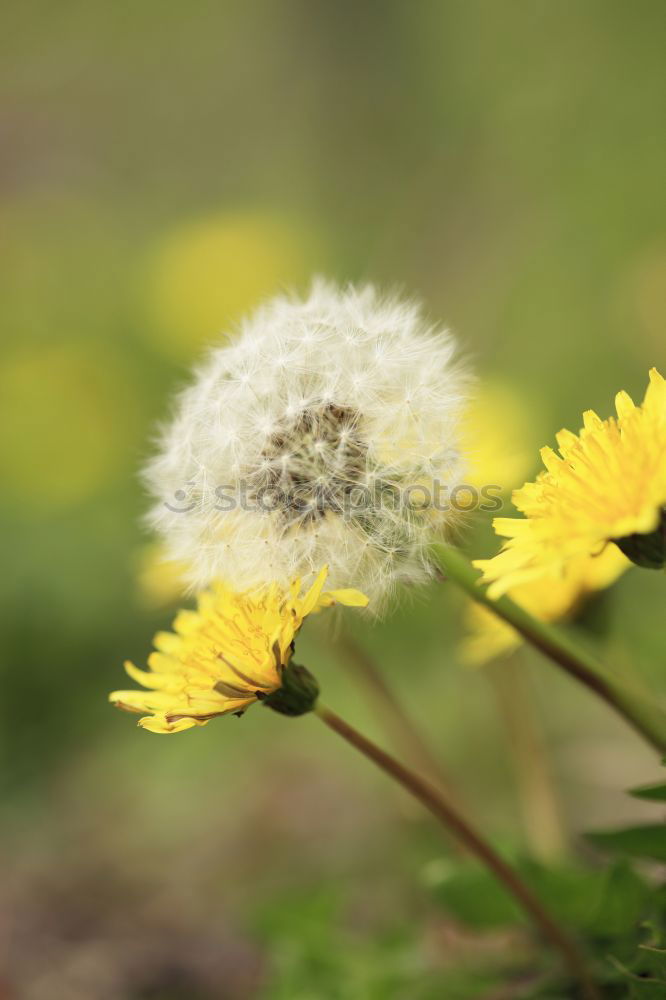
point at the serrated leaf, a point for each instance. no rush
(655, 793)
(654, 960)
(641, 986)
(648, 841)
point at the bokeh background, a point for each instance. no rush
(164, 167)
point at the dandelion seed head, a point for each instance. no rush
(326, 404)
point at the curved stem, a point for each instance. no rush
(434, 801)
(647, 718)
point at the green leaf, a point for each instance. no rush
(654, 959)
(655, 793)
(566, 891)
(642, 968)
(642, 986)
(644, 980)
(621, 903)
(647, 841)
(474, 897)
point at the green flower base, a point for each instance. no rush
(648, 551)
(298, 694)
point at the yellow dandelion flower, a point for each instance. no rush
(607, 484)
(550, 600)
(232, 651)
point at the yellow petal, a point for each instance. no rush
(349, 597)
(655, 397)
(566, 440)
(168, 642)
(159, 724)
(624, 405)
(312, 596)
(550, 459)
(591, 421)
(149, 678)
(141, 701)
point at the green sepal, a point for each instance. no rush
(648, 551)
(298, 693)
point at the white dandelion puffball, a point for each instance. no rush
(326, 433)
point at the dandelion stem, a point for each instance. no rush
(453, 822)
(647, 718)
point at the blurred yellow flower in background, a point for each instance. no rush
(224, 656)
(499, 432)
(72, 423)
(206, 273)
(646, 291)
(550, 600)
(608, 484)
(159, 581)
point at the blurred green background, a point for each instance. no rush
(164, 167)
